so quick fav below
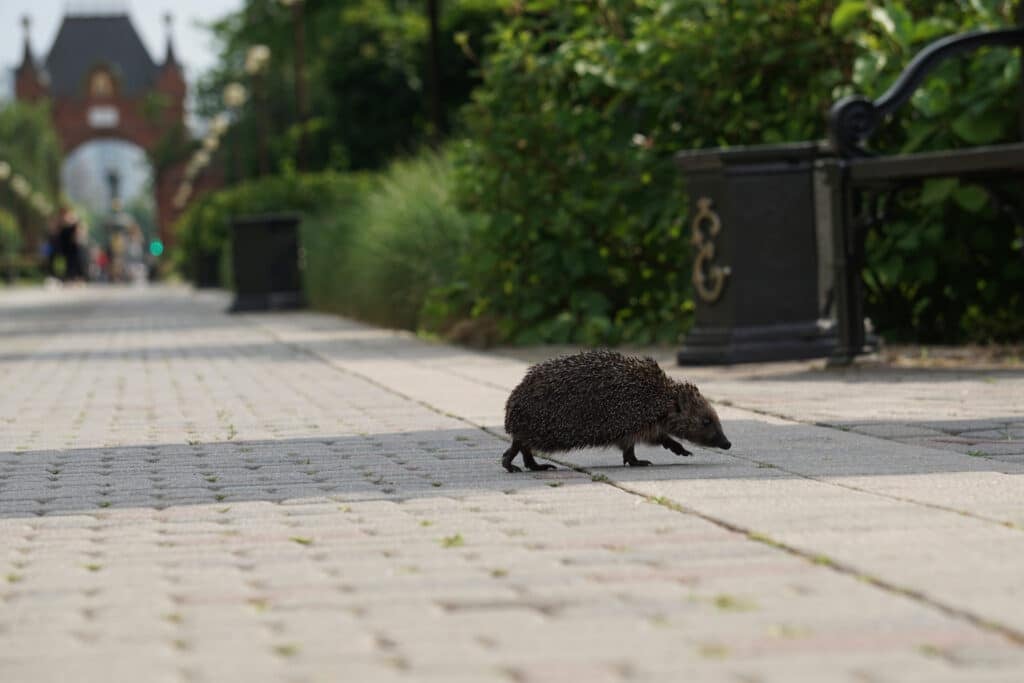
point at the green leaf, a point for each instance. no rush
(933, 99)
(938, 190)
(972, 198)
(847, 13)
(931, 28)
(978, 130)
(881, 16)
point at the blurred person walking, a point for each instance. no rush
(134, 256)
(68, 245)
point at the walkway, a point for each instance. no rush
(189, 496)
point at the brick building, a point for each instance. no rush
(103, 83)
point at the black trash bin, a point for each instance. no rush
(207, 270)
(265, 263)
(760, 224)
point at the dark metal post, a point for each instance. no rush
(263, 128)
(434, 67)
(1020, 22)
(301, 103)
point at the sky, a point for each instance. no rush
(192, 43)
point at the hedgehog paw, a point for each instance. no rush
(674, 446)
(537, 467)
(512, 468)
(633, 462)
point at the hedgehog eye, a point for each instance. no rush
(706, 422)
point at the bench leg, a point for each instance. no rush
(848, 245)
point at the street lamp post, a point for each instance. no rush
(434, 66)
(301, 102)
(256, 61)
(234, 97)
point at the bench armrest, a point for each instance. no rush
(854, 119)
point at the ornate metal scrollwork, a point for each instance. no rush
(715, 275)
(852, 120)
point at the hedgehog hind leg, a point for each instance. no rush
(509, 456)
(532, 464)
(629, 456)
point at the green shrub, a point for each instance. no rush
(203, 231)
(583, 104)
(10, 236)
(571, 143)
(392, 257)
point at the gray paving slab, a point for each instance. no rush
(191, 496)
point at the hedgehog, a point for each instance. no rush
(604, 398)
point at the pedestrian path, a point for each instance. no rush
(191, 496)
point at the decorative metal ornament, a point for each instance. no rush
(707, 278)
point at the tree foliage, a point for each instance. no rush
(366, 62)
(29, 143)
(571, 140)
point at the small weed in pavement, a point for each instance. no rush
(286, 650)
(455, 541)
(976, 454)
(713, 651)
(823, 560)
(730, 603)
(301, 540)
(259, 604)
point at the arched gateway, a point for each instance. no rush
(102, 83)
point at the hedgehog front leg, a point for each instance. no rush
(532, 464)
(629, 457)
(674, 446)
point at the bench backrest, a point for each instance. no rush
(854, 119)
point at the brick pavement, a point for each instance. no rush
(190, 496)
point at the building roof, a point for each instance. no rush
(87, 41)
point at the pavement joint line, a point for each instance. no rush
(837, 428)
(850, 487)
(1012, 635)
(964, 513)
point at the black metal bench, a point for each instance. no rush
(861, 181)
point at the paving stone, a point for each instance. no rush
(191, 496)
